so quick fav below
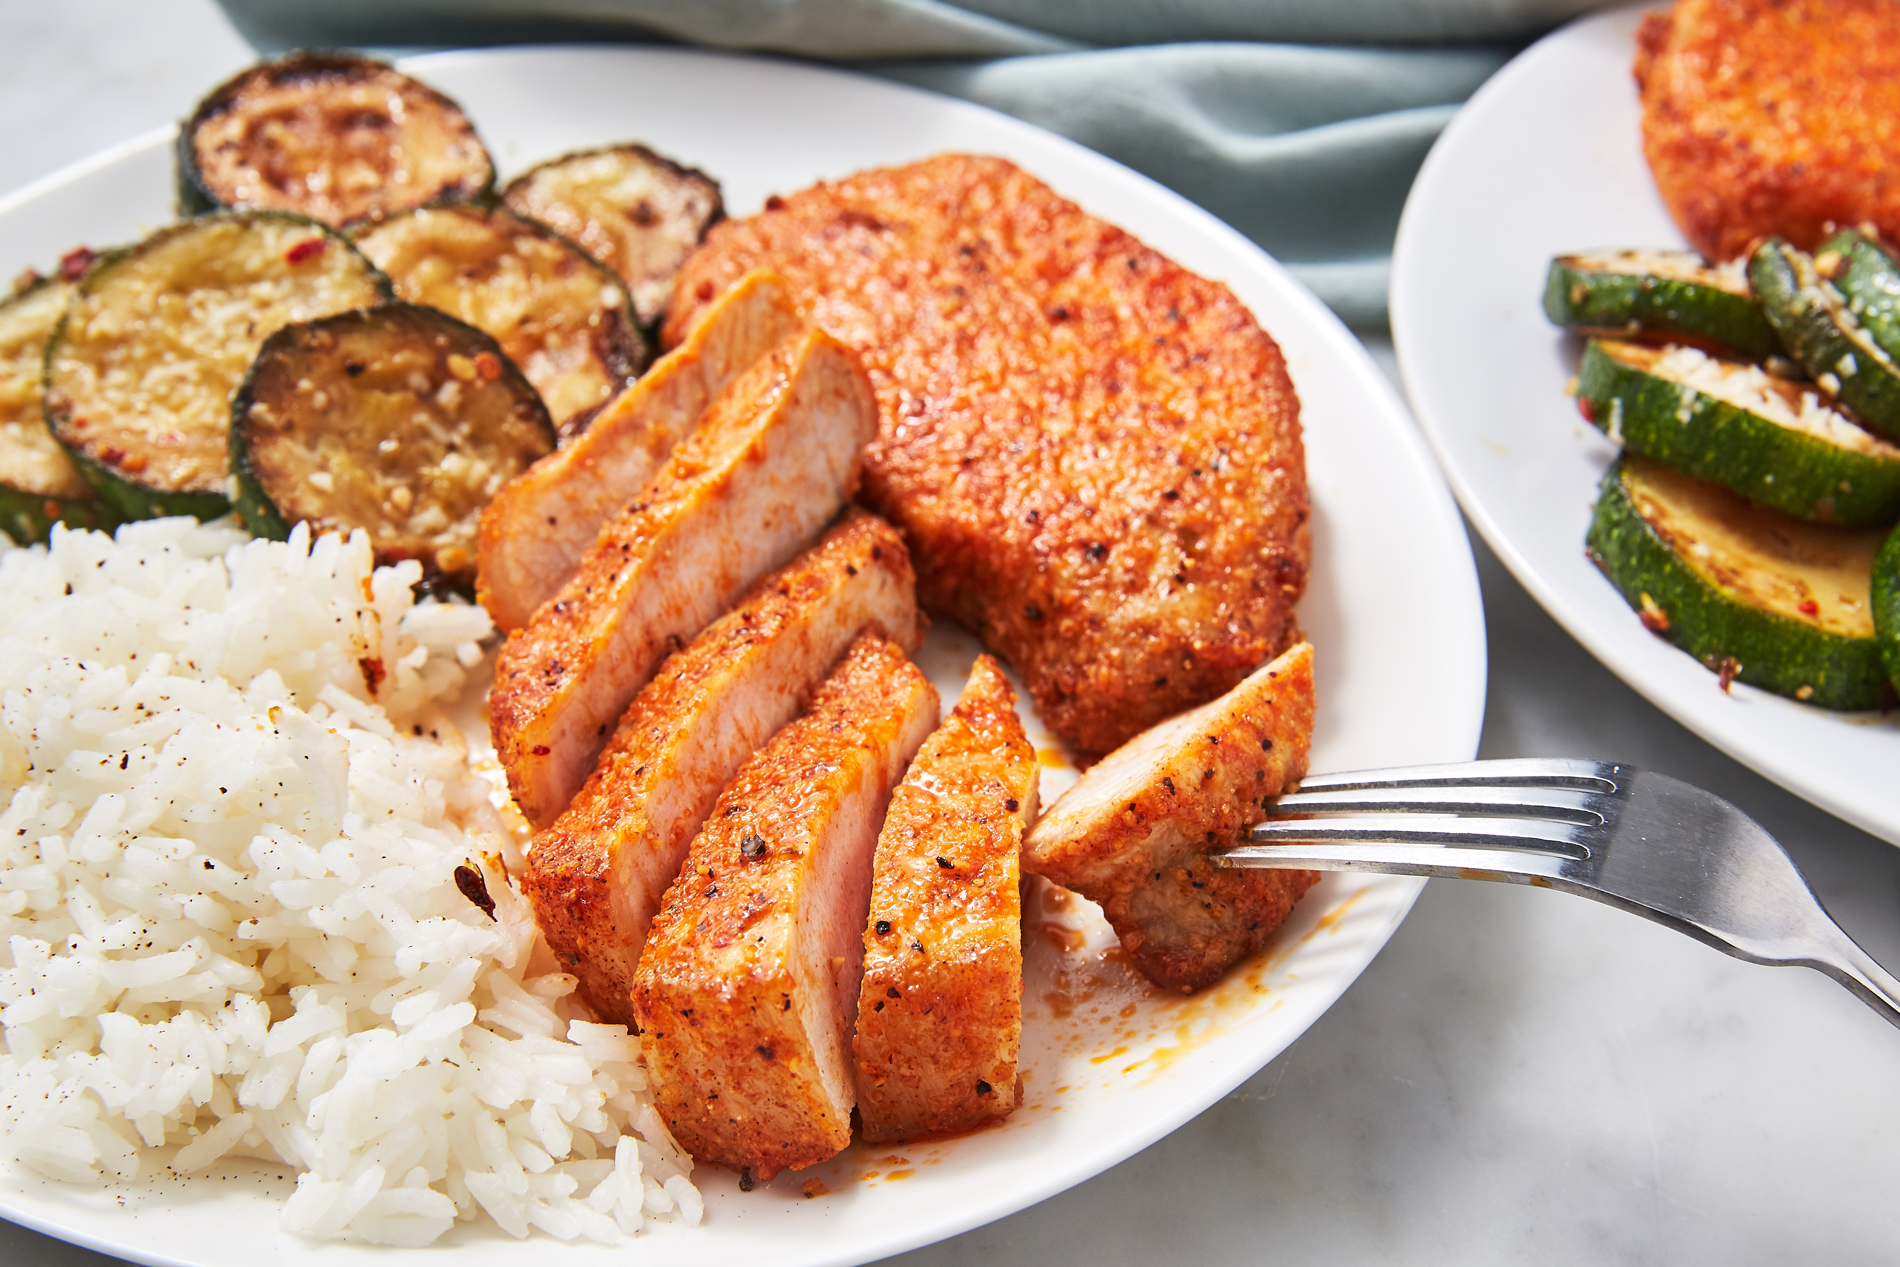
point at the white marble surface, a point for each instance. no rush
(1520, 1076)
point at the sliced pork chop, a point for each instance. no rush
(1133, 833)
(536, 530)
(940, 1013)
(597, 876)
(772, 460)
(749, 984)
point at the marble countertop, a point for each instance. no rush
(1519, 1077)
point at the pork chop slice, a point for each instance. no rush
(534, 533)
(749, 985)
(597, 876)
(1134, 832)
(773, 459)
(940, 1013)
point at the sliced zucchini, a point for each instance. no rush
(1819, 330)
(329, 135)
(564, 319)
(400, 420)
(38, 485)
(1886, 602)
(1868, 277)
(1667, 296)
(1774, 442)
(638, 213)
(140, 372)
(1753, 594)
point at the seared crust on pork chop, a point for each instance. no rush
(940, 1013)
(597, 876)
(772, 460)
(535, 531)
(749, 984)
(1094, 454)
(1134, 832)
(1772, 116)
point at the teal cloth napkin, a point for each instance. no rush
(1299, 122)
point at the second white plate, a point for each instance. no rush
(1546, 159)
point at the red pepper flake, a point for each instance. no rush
(308, 249)
(1654, 618)
(1725, 672)
(541, 750)
(73, 264)
(1584, 407)
(1808, 607)
(487, 366)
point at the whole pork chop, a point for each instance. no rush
(1094, 454)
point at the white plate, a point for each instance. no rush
(1393, 609)
(1547, 159)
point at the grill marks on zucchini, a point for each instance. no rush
(1774, 442)
(1779, 603)
(399, 420)
(634, 211)
(564, 319)
(1819, 329)
(1672, 296)
(38, 485)
(332, 136)
(140, 372)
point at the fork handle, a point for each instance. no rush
(1854, 968)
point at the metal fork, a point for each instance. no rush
(1636, 840)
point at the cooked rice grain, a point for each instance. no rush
(231, 918)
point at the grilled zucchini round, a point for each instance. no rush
(1886, 601)
(38, 485)
(1820, 330)
(636, 212)
(1774, 442)
(1869, 279)
(1666, 296)
(400, 420)
(140, 371)
(567, 321)
(330, 135)
(1765, 599)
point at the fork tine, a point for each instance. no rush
(1568, 803)
(1530, 835)
(1600, 776)
(1526, 866)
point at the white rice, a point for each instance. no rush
(231, 921)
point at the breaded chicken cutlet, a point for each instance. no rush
(1772, 117)
(1094, 454)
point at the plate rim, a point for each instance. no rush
(1319, 324)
